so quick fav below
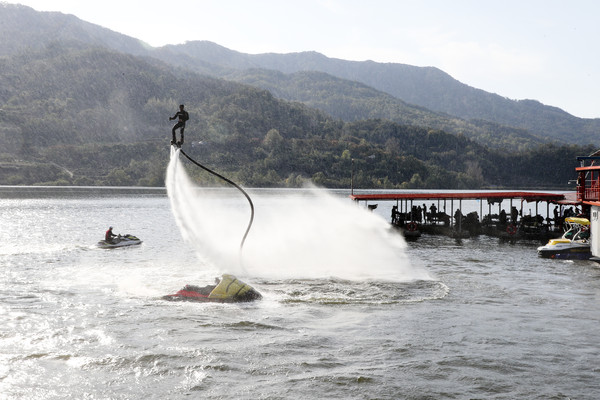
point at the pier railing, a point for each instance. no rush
(591, 193)
(588, 179)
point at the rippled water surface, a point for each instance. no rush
(469, 319)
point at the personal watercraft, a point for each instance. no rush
(119, 241)
(574, 243)
(228, 290)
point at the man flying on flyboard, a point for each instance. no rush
(182, 116)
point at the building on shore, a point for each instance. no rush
(588, 194)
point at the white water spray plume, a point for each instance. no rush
(294, 236)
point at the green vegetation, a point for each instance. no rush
(422, 96)
(352, 101)
(75, 115)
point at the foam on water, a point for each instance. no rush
(298, 236)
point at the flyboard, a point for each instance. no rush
(229, 289)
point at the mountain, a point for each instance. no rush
(82, 112)
(342, 98)
(92, 116)
(427, 87)
(22, 27)
(437, 99)
(353, 101)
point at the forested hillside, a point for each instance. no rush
(486, 117)
(427, 87)
(78, 112)
(79, 115)
(352, 101)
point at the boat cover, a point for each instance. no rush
(577, 220)
(231, 288)
(228, 290)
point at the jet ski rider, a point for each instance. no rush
(109, 235)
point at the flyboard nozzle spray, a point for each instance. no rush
(228, 288)
(234, 185)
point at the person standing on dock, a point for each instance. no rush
(513, 215)
(458, 217)
(395, 215)
(502, 218)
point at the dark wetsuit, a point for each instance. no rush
(182, 116)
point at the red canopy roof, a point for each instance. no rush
(493, 196)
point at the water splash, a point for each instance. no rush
(212, 221)
(310, 235)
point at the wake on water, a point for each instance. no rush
(296, 237)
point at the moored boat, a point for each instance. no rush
(574, 244)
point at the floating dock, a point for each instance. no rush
(445, 214)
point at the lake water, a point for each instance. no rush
(349, 310)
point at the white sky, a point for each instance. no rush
(547, 50)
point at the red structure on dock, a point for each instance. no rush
(588, 193)
(588, 181)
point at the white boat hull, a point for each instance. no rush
(571, 250)
(121, 241)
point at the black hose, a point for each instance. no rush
(231, 183)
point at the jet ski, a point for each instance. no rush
(119, 241)
(574, 243)
(228, 289)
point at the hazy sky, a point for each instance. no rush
(547, 50)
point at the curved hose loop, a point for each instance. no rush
(233, 184)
